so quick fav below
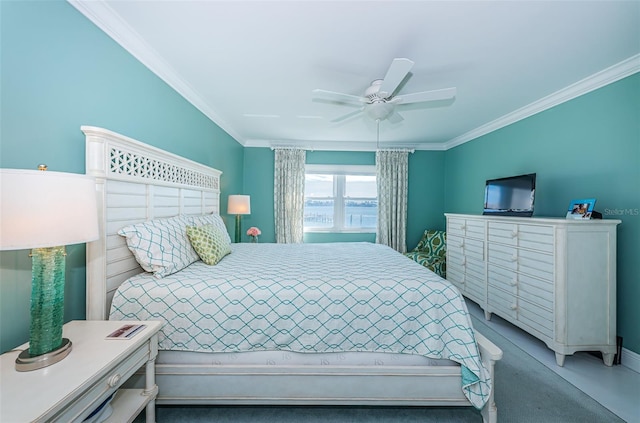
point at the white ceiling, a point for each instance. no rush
(251, 66)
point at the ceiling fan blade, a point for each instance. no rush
(395, 117)
(443, 94)
(395, 74)
(339, 97)
(347, 116)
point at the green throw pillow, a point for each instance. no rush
(210, 244)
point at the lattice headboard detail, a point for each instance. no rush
(136, 182)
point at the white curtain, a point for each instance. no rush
(392, 174)
(288, 195)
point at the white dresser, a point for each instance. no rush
(554, 278)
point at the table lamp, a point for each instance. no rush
(44, 211)
(239, 205)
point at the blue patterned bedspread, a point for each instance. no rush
(310, 298)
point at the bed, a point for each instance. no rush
(343, 324)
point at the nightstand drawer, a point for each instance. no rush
(106, 386)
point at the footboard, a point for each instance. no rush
(181, 384)
(489, 353)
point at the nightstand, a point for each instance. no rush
(72, 389)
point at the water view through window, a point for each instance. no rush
(340, 202)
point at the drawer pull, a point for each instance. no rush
(514, 282)
(514, 257)
(513, 307)
(113, 380)
(514, 234)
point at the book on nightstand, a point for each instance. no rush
(126, 332)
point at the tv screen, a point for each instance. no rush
(512, 196)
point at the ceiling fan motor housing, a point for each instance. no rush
(373, 91)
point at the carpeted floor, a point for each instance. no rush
(526, 391)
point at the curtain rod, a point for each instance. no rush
(408, 150)
(290, 148)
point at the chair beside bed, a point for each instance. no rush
(431, 252)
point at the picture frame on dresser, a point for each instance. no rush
(581, 209)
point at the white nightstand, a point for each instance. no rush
(70, 390)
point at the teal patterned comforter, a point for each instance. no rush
(310, 298)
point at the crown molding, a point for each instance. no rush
(341, 145)
(105, 18)
(598, 80)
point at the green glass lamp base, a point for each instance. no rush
(27, 362)
(238, 228)
(46, 345)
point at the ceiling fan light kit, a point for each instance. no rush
(379, 110)
(379, 99)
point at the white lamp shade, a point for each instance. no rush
(239, 204)
(46, 209)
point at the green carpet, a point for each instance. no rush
(526, 391)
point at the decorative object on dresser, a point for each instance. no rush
(554, 278)
(188, 377)
(89, 382)
(45, 211)
(581, 209)
(239, 205)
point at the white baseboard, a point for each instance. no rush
(631, 360)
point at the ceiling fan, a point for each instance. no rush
(379, 101)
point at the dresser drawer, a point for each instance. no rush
(504, 279)
(466, 247)
(533, 237)
(455, 276)
(537, 318)
(538, 292)
(465, 228)
(533, 263)
(503, 303)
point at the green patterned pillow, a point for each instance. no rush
(210, 244)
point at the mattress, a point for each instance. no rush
(310, 298)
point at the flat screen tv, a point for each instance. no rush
(512, 196)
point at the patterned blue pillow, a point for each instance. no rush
(161, 246)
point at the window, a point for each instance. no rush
(340, 198)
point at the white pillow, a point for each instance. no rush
(211, 219)
(161, 246)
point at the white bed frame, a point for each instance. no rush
(136, 182)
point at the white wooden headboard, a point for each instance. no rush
(136, 182)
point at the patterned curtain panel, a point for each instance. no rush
(392, 173)
(288, 196)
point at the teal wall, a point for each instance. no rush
(425, 202)
(59, 72)
(587, 147)
(258, 183)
